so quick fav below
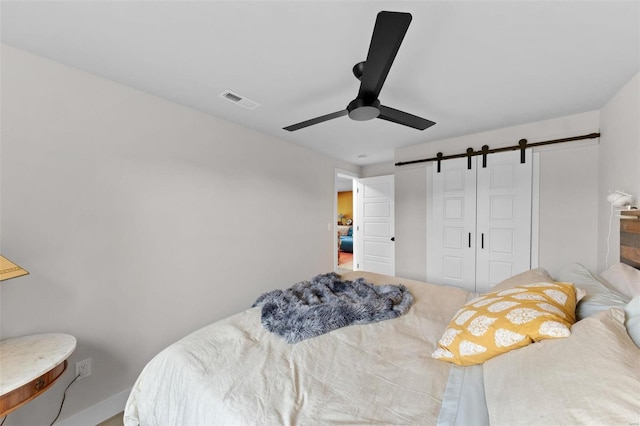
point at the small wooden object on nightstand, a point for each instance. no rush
(30, 365)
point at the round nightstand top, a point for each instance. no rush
(25, 358)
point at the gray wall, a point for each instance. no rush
(618, 163)
(141, 220)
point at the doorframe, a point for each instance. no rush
(355, 177)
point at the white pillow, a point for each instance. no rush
(632, 323)
(591, 377)
(624, 278)
(599, 296)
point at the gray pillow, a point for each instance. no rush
(599, 296)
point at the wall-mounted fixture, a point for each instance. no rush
(619, 198)
(9, 270)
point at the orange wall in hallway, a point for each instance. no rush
(345, 204)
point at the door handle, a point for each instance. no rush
(469, 239)
(393, 238)
(482, 241)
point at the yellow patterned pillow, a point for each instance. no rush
(504, 320)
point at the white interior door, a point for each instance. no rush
(503, 246)
(451, 242)
(375, 226)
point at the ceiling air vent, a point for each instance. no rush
(239, 99)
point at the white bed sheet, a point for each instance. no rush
(234, 372)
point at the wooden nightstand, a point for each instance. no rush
(30, 365)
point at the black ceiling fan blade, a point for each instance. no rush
(404, 118)
(387, 37)
(316, 120)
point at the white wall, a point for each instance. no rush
(568, 181)
(378, 169)
(619, 162)
(141, 220)
(411, 222)
(568, 206)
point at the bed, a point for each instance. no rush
(235, 372)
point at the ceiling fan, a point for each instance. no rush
(387, 37)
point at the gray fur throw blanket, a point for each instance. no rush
(326, 303)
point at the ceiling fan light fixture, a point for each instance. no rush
(359, 110)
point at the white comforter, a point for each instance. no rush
(234, 372)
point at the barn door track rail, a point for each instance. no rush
(522, 146)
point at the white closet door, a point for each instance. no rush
(503, 246)
(451, 244)
(376, 225)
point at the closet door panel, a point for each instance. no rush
(451, 243)
(503, 246)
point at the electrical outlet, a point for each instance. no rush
(83, 368)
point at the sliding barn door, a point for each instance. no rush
(375, 225)
(503, 247)
(451, 242)
(480, 224)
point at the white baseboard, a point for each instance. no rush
(99, 412)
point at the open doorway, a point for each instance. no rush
(345, 209)
(371, 223)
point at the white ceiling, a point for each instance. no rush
(470, 66)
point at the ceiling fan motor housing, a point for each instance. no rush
(363, 110)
